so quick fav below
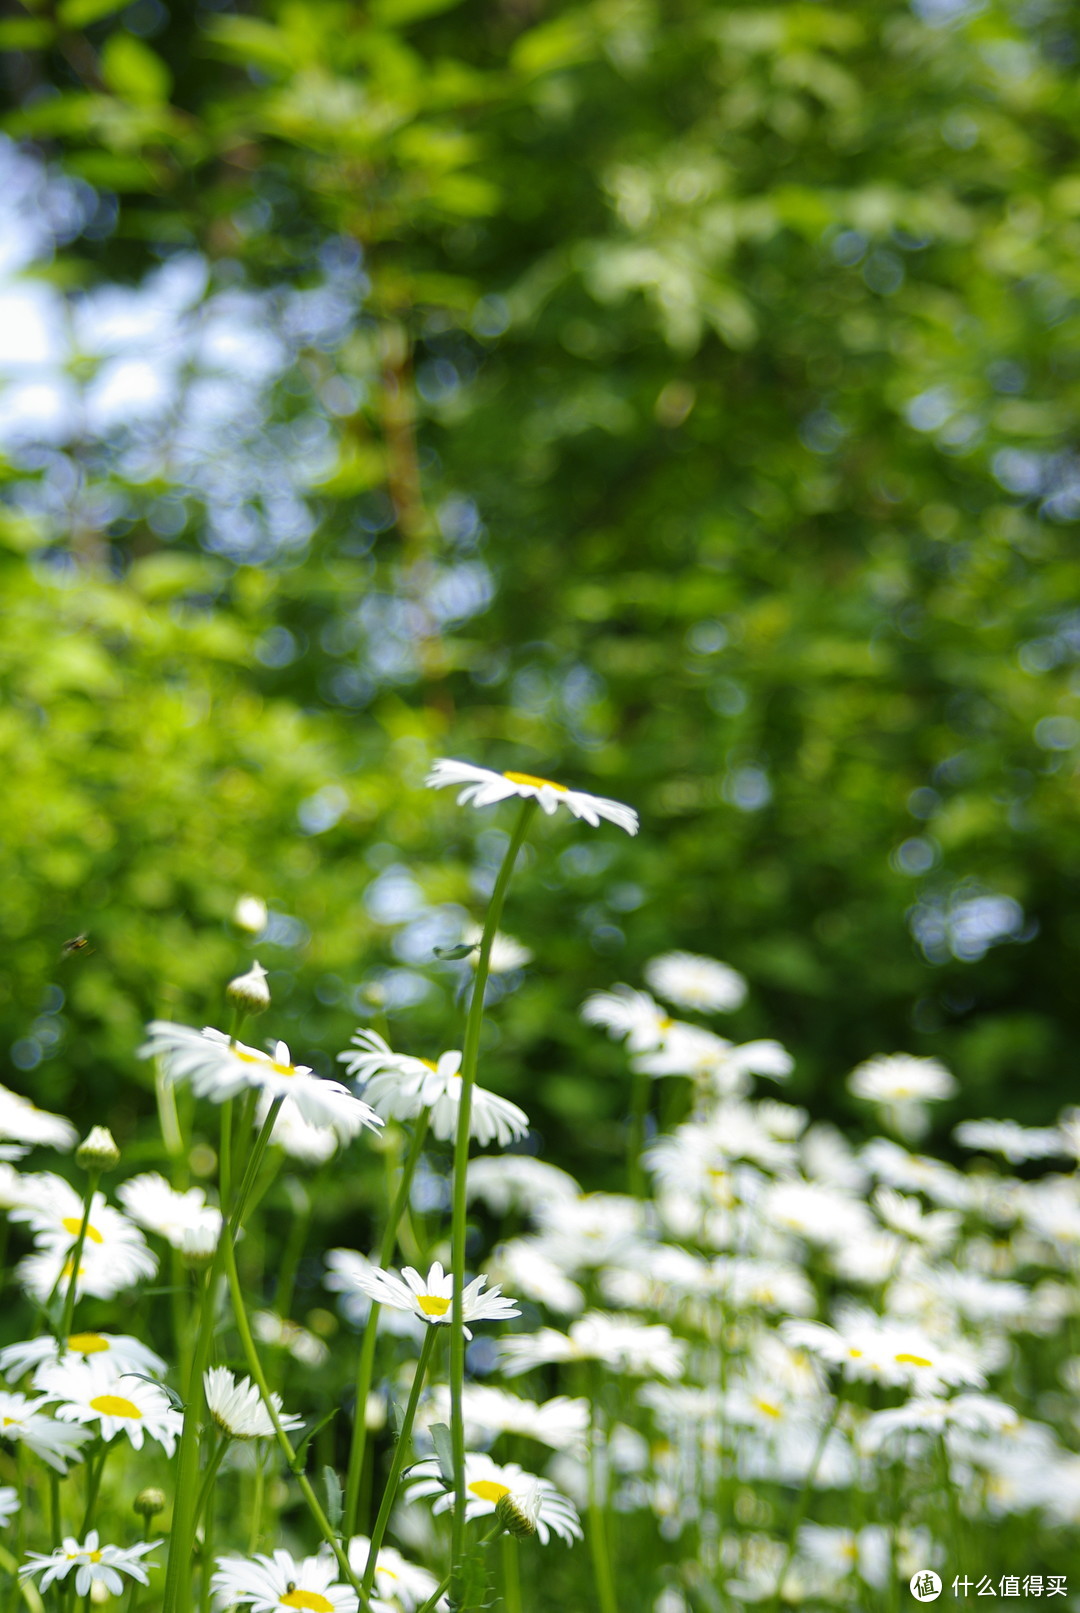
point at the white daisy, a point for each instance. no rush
(871, 1349)
(901, 1085)
(238, 1409)
(270, 1584)
(632, 1015)
(527, 1266)
(91, 1391)
(690, 981)
(400, 1087)
(126, 1354)
(1015, 1143)
(561, 1423)
(150, 1201)
(54, 1213)
(93, 1564)
(622, 1342)
(24, 1123)
(250, 914)
(9, 1503)
(400, 1586)
(483, 788)
(303, 1345)
(927, 1414)
(905, 1215)
(218, 1068)
(487, 1483)
(505, 1182)
(431, 1297)
(105, 1270)
(24, 1420)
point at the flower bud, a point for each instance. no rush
(517, 1514)
(197, 1245)
(250, 914)
(250, 992)
(98, 1151)
(148, 1503)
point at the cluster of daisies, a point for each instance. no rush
(782, 1370)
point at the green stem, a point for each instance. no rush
(93, 1178)
(640, 1093)
(209, 1475)
(511, 1578)
(444, 1585)
(469, 1057)
(365, 1365)
(176, 1597)
(603, 1574)
(94, 1470)
(803, 1501)
(398, 1462)
(254, 1365)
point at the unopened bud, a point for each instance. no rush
(148, 1503)
(250, 992)
(250, 914)
(198, 1244)
(98, 1151)
(517, 1514)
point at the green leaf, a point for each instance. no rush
(397, 13)
(174, 1399)
(444, 1451)
(301, 1449)
(335, 1503)
(452, 954)
(26, 33)
(134, 72)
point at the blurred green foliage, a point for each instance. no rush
(728, 354)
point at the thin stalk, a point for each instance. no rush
(254, 1365)
(640, 1093)
(209, 1475)
(398, 1462)
(603, 1574)
(444, 1585)
(953, 1500)
(511, 1578)
(93, 1178)
(176, 1598)
(366, 1362)
(94, 1470)
(803, 1501)
(469, 1057)
(27, 1589)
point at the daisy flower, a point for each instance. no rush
(632, 1015)
(303, 1345)
(104, 1270)
(22, 1419)
(487, 1483)
(1015, 1143)
(399, 1584)
(126, 1354)
(517, 1182)
(314, 1145)
(890, 1352)
(55, 1215)
(9, 1503)
(927, 1414)
(91, 1391)
(218, 1069)
(348, 1275)
(400, 1087)
(431, 1297)
(93, 1564)
(237, 1407)
(150, 1201)
(25, 1124)
(561, 1423)
(270, 1584)
(902, 1085)
(483, 788)
(690, 981)
(622, 1342)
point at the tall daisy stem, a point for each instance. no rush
(803, 1501)
(93, 1178)
(469, 1057)
(255, 1367)
(365, 1365)
(176, 1597)
(400, 1451)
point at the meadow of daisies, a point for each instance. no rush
(778, 1369)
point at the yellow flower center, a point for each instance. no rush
(768, 1408)
(278, 1069)
(114, 1406)
(537, 783)
(433, 1304)
(430, 1065)
(72, 1223)
(854, 1353)
(95, 1556)
(310, 1599)
(9, 1422)
(87, 1343)
(913, 1360)
(488, 1490)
